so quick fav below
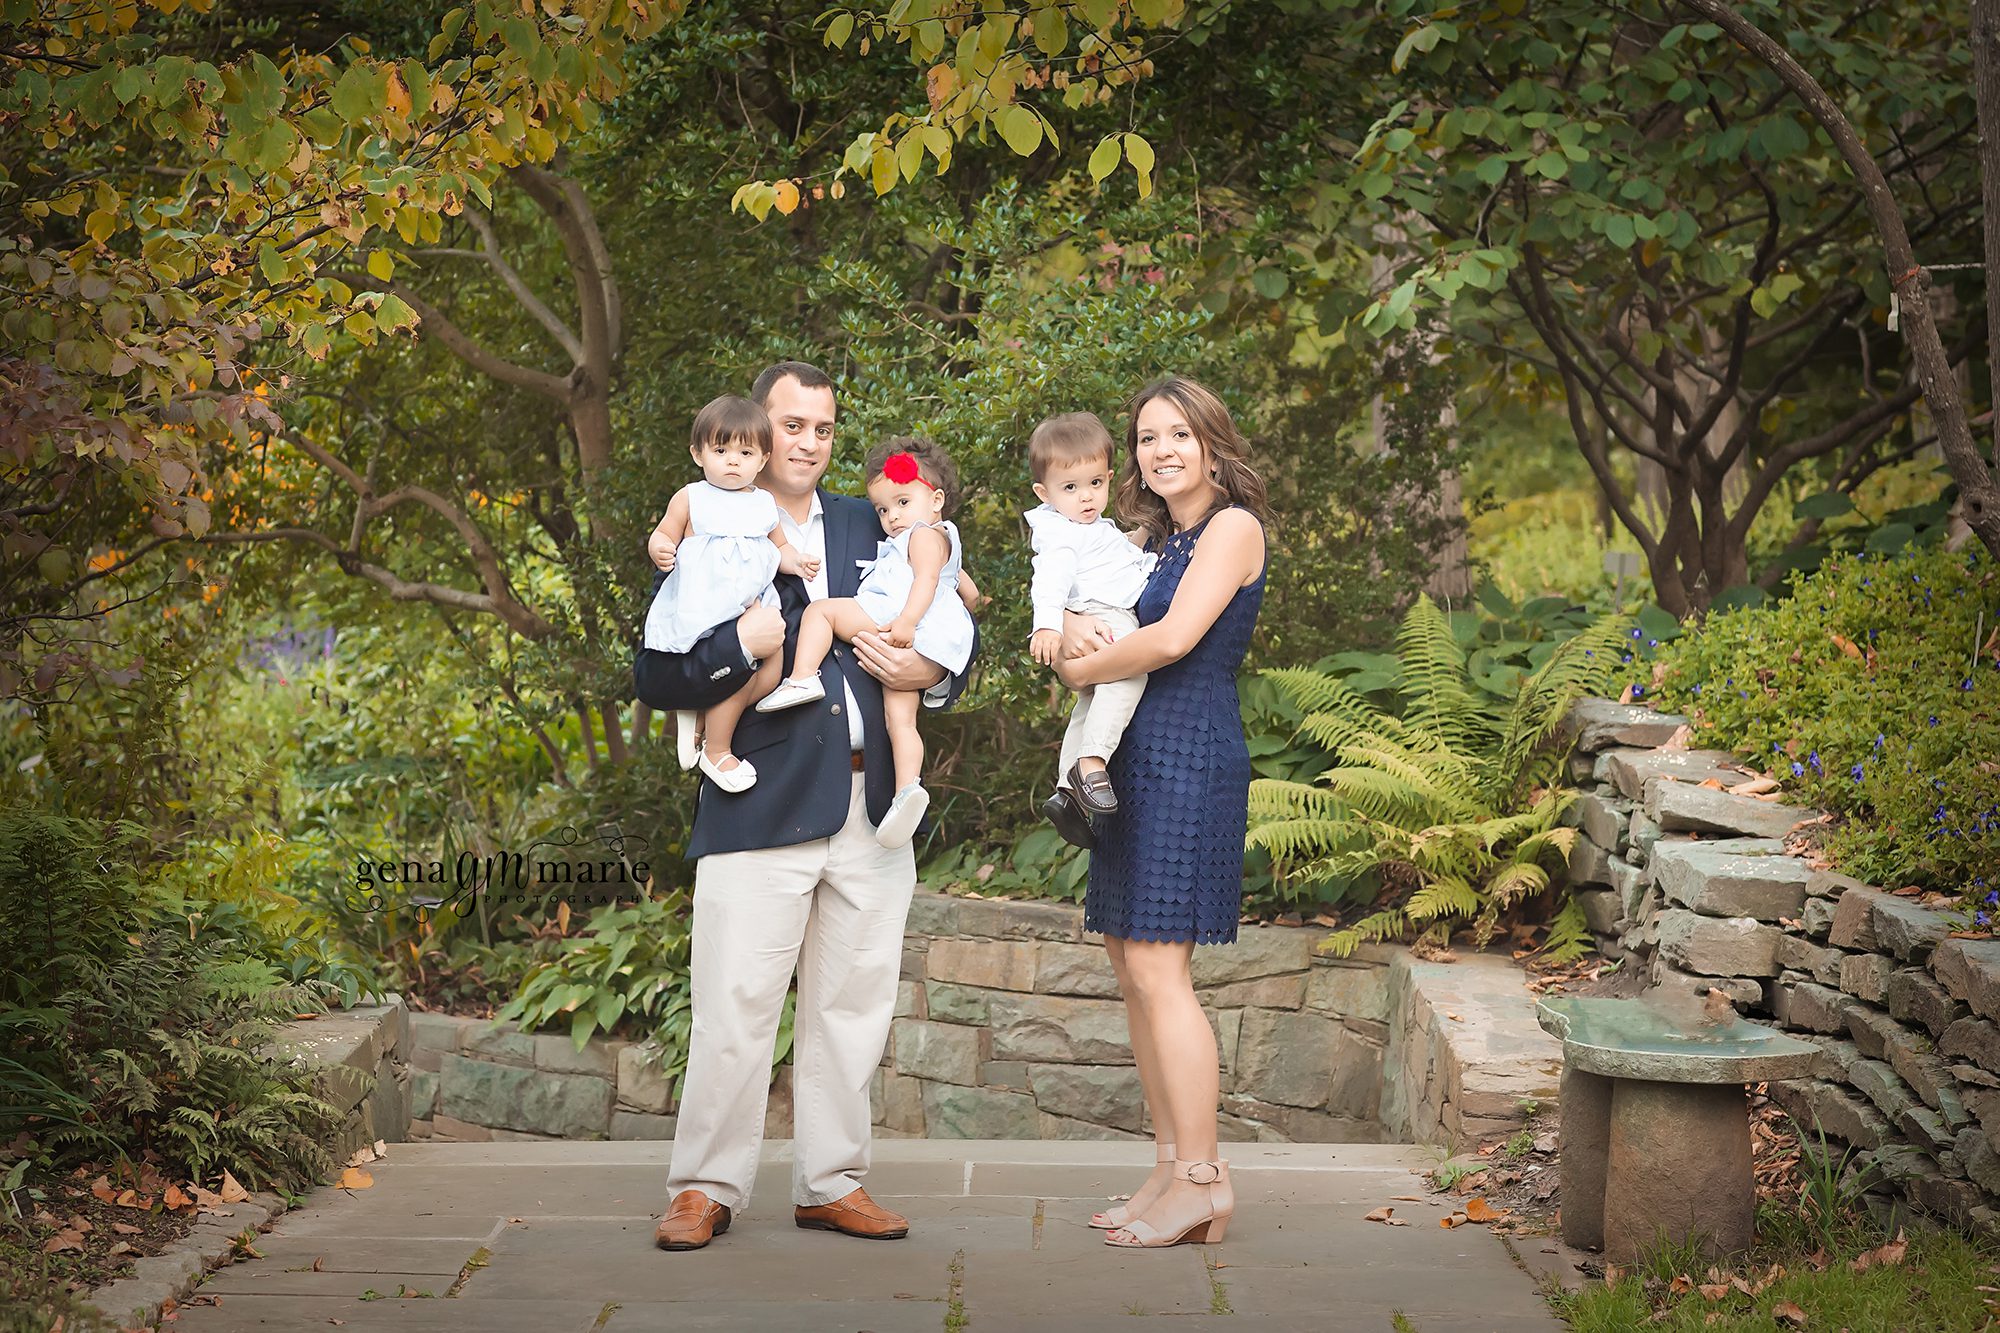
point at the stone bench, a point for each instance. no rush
(1655, 1123)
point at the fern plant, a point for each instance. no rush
(1453, 800)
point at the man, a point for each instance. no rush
(789, 873)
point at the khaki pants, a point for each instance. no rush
(835, 909)
(1097, 723)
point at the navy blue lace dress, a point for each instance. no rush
(1169, 864)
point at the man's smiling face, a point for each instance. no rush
(802, 438)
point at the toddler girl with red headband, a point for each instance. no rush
(911, 592)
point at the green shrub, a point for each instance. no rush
(626, 971)
(169, 1041)
(1451, 799)
(1873, 691)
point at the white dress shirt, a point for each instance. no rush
(1077, 563)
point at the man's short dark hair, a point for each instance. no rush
(808, 375)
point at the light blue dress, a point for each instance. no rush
(944, 635)
(725, 562)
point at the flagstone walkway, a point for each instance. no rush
(556, 1237)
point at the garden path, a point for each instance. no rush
(998, 1244)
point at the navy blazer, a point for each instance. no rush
(801, 754)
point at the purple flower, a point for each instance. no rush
(1855, 772)
(1813, 759)
(1798, 769)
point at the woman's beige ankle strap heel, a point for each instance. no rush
(1208, 1227)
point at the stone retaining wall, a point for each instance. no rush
(1690, 883)
(1008, 1025)
(362, 1057)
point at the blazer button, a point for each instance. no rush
(836, 710)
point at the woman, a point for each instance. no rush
(1167, 869)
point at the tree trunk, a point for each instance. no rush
(1986, 87)
(1909, 281)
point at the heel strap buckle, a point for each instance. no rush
(1193, 1177)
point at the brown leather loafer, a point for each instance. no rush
(692, 1221)
(854, 1215)
(1093, 790)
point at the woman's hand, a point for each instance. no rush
(1046, 646)
(1083, 635)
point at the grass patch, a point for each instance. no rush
(1943, 1282)
(954, 1308)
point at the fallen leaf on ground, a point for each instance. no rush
(126, 1228)
(354, 1178)
(1680, 1284)
(1478, 1210)
(231, 1191)
(1892, 1253)
(1381, 1214)
(1407, 1198)
(1789, 1313)
(1455, 1220)
(1714, 1291)
(319, 1264)
(175, 1200)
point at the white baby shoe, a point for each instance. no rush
(899, 823)
(687, 728)
(740, 778)
(792, 693)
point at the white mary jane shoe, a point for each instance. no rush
(899, 822)
(792, 693)
(740, 778)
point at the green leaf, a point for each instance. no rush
(1140, 154)
(1780, 137)
(381, 264)
(271, 262)
(1021, 128)
(1491, 170)
(394, 313)
(359, 94)
(1618, 230)
(1104, 157)
(840, 29)
(1827, 504)
(1271, 283)
(1890, 538)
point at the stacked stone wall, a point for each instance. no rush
(1008, 1025)
(1690, 884)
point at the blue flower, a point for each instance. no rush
(1932, 720)
(1798, 769)
(1813, 759)
(1855, 772)
(1636, 633)
(1878, 740)
(1652, 643)
(1979, 917)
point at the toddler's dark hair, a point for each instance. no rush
(933, 464)
(731, 418)
(1073, 437)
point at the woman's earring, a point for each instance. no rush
(1143, 486)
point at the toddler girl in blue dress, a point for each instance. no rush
(722, 543)
(912, 592)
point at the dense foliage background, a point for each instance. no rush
(351, 350)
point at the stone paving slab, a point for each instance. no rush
(999, 1243)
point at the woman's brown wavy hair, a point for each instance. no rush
(1228, 455)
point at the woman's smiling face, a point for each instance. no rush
(1172, 459)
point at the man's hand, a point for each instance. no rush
(662, 552)
(900, 633)
(761, 631)
(896, 668)
(1083, 635)
(1046, 646)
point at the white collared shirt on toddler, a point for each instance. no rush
(1077, 563)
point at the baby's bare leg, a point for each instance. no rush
(899, 710)
(825, 620)
(721, 719)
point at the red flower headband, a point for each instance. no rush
(902, 469)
